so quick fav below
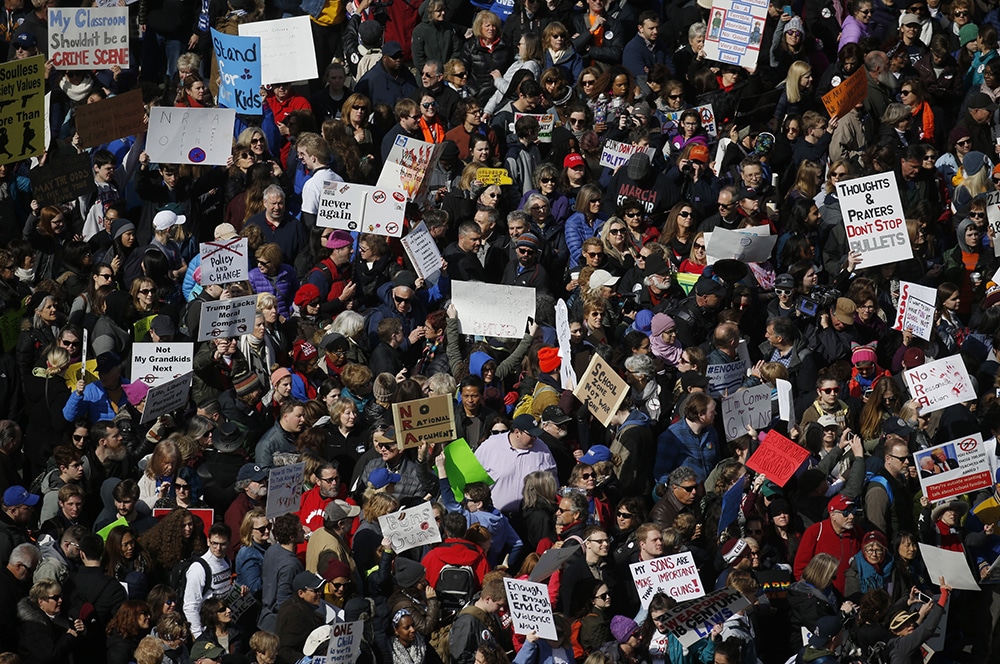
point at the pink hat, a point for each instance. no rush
(863, 354)
(339, 239)
(135, 392)
(278, 374)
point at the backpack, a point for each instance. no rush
(455, 587)
(872, 478)
(526, 403)
(178, 577)
(880, 653)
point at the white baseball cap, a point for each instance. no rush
(164, 219)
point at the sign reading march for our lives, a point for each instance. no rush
(693, 620)
(530, 609)
(492, 310)
(407, 165)
(345, 642)
(939, 384)
(286, 49)
(166, 398)
(915, 310)
(200, 136)
(615, 153)
(88, 37)
(735, 31)
(284, 489)
(156, 363)
(874, 220)
(362, 208)
(749, 407)
(224, 261)
(22, 109)
(954, 468)
(423, 252)
(777, 458)
(601, 390)
(227, 318)
(407, 529)
(239, 72)
(677, 576)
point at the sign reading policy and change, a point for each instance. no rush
(874, 219)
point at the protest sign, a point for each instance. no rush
(676, 576)
(463, 468)
(601, 389)
(239, 72)
(22, 109)
(954, 468)
(206, 515)
(156, 363)
(345, 642)
(615, 153)
(552, 560)
(874, 220)
(952, 565)
(745, 247)
(731, 501)
(10, 328)
(407, 529)
(166, 397)
(939, 384)
(492, 310)
(530, 609)
(106, 530)
(113, 118)
(423, 253)
(777, 458)
(567, 375)
(735, 30)
(746, 407)
(545, 124)
(728, 377)
(286, 49)
(707, 114)
(224, 261)
(497, 176)
(915, 310)
(140, 328)
(62, 179)
(430, 420)
(227, 318)
(993, 219)
(842, 99)
(361, 208)
(237, 601)
(284, 489)
(200, 136)
(693, 620)
(407, 166)
(72, 374)
(786, 406)
(88, 37)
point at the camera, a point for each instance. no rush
(821, 297)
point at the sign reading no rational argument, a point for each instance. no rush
(430, 420)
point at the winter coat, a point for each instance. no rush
(282, 286)
(43, 640)
(434, 41)
(481, 61)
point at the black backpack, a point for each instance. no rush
(178, 577)
(455, 587)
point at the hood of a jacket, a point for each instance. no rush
(477, 361)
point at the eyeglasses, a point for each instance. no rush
(616, 231)
(79, 439)
(588, 82)
(634, 213)
(338, 586)
(385, 446)
(460, 74)
(264, 529)
(602, 596)
(181, 487)
(254, 141)
(906, 92)
(977, 215)
(675, 96)
(329, 480)
(263, 263)
(586, 476)
(964, 141)
(429, 104)
(474, 111)
(577, 121)
(401, 300)
(690, 489)
(538, 208)
(547, 180)
(425, 74)
(594, 254)
(105, 275)
(727, 206)
(845, 513)
(930, 157)
(561, 36)
(526, 251)
(901, 459)
(359, 108)
(599, 541)
(829, 390)
(960, 14)
(148, 291)
(783, 291)
(413, 117)
(699, 246)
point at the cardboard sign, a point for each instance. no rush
(224, 261)
(842, 99)
(227, 318)
(407, 165)
(707, 114)
(423, 253)
(110, 119)
(360, 208)
(952, 565)
(88, 37)
(735, 30)
(567, 375)
(63, 179)
(676, 576)
(156, 363)
(407, 529)
(345, 642)
(693, 620)
(954, 468)
(284, 489)
(199, 136)
(430, 420)
(777, 458)
(497, 176)
(166, 397)
(874, 219)
(492, 310)
(615, 153)
(916, 309)
(530, 609)
(545, 124)
(601, 389)
(747, 407)
(239, 72)
(939, 384)
(206, 515)
(728, 377)
(742, 246)
(286, 49)
(237, 602)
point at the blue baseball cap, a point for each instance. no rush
(18, 495)
(381, 477)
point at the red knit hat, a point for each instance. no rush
(306, 294)
(548, 359)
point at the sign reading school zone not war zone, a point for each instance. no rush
(874, 220)
(430, 420)
(156, 363)
(110, 119)
(284, 489)
(362, 208)
(842, 99)
(601, 389)
(530, 609)
(675, 575)
(691, 621)
(88, 37)
(492, 310)
(22, 109)
(954, 468)
(939, 384)
(190, 135)
(227, 318)
(777, 458)
(410, 528)
(224, 261)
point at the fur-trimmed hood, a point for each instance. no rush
(29, 611)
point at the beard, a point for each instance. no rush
(887, 80)
(115, 453)
(261, 492)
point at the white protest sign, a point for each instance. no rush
(284, 489)
(224, 261)
(491, 310)
(707, 114)
(954, 468)
(728, 376)
(545, 124)
(200, 136)
(407, 529)
(735, 31)
(693, 620)
(358, 207)
(939, 384)
(874, 219)
(345, 642)
(916, 309)
(530, 609)
(227, 318)
(786, 406)
(166, 397)
(749, 407)
(88, 37)
(675, 575)
(423, 252)
(993, 219)
(158, 362)
(286, 49)
(407, 164)
(566, 374)
(952, 565)
(738, 245)
(615, 153)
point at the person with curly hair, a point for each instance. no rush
(126, 629)
(173, 539)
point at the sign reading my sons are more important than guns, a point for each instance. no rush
(22, 109)
(407, 529)
(227, 318)
(362, 208)
(601, 389)
(201, 136)
(954, 468)
(916, 309)
(88, 37)
(751, 406)
(939, 384)
(874, 220)
(239, 72)
(224, 261)
(675, 575)
(777, 458)
(430, 420)
(156, 363)
(530, 609)
(492, 310)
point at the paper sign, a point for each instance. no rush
(360, 208)
(874, 220)
(731, 501)
(939, 384)
(200, 136)
(423, 253)
(407, 529)
(492, 310)
(993, 219)
(62, 179)
(206, 515)
(988, 511)
(786, 407)
(284, 489)
(552, 560)
(545, 124)
(110, 119)
(748, 407)
(615, 153)
(740, 246)
(345, 642)
(106, 530)
(842, 99)
(166, 397)
(601, 390)
(22, 109)
(777, 458)
(952, 565)
(239, 72)
(954, 468)
(916, 309)
(498, 176)
(707, 114)
(88, 37)
(728, 376)
(224, 261)
(407, 165)
(156, 363)
(286, 49)
(227, 318)
(463, 468)
(430, 420)
(530, 609)
(676, 576)
(567, 375)
(72, 374)
(140, 328)
(693, 620)
(735, 30)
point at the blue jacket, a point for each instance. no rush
(638, 59)
(284, 286)
(578, 230)
(94, 404)
(276, 440)
(680, 446)
(382, 88)
(503, 535)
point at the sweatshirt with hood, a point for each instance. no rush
(502, 535)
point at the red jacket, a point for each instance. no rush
(455, 552)
(822, 538)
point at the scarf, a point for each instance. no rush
(433, 133)
(670, 353)
(872, 577)
(556, 55)
(412, 655)
(923, 109)
(489, 47)
(27, 276)
(78, 92)
(430, 350)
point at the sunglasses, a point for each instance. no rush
(149, 291)
(263, 529)
(460, 74)
(699, 246)
(339, 585)
(79, 439)
(401, 300)
(527, 251)
(617, 231)
(782, 291)
(360, 108)
(106, 276)
(829, 390)
(577, 121)
(594, 254)
(429, 104)
(496, 431)
(385, 446)
(684, 213)
(546, 181)
(602, 596)
(181, 487)
(586, 476)
(625, 515)
(689, 489)
(587, 83)
(977, 215)
(634, 213)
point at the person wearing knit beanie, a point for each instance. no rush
(548, 359)
(623, 628)
(863, 354)
(384, 387)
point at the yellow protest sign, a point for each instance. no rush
(22, 109)
(852, 91)
(72, 374)
(141, 327)
(498, 176)
(430, 420)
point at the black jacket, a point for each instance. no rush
(43, 640)
(297, 618)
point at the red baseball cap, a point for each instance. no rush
(573, 160)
